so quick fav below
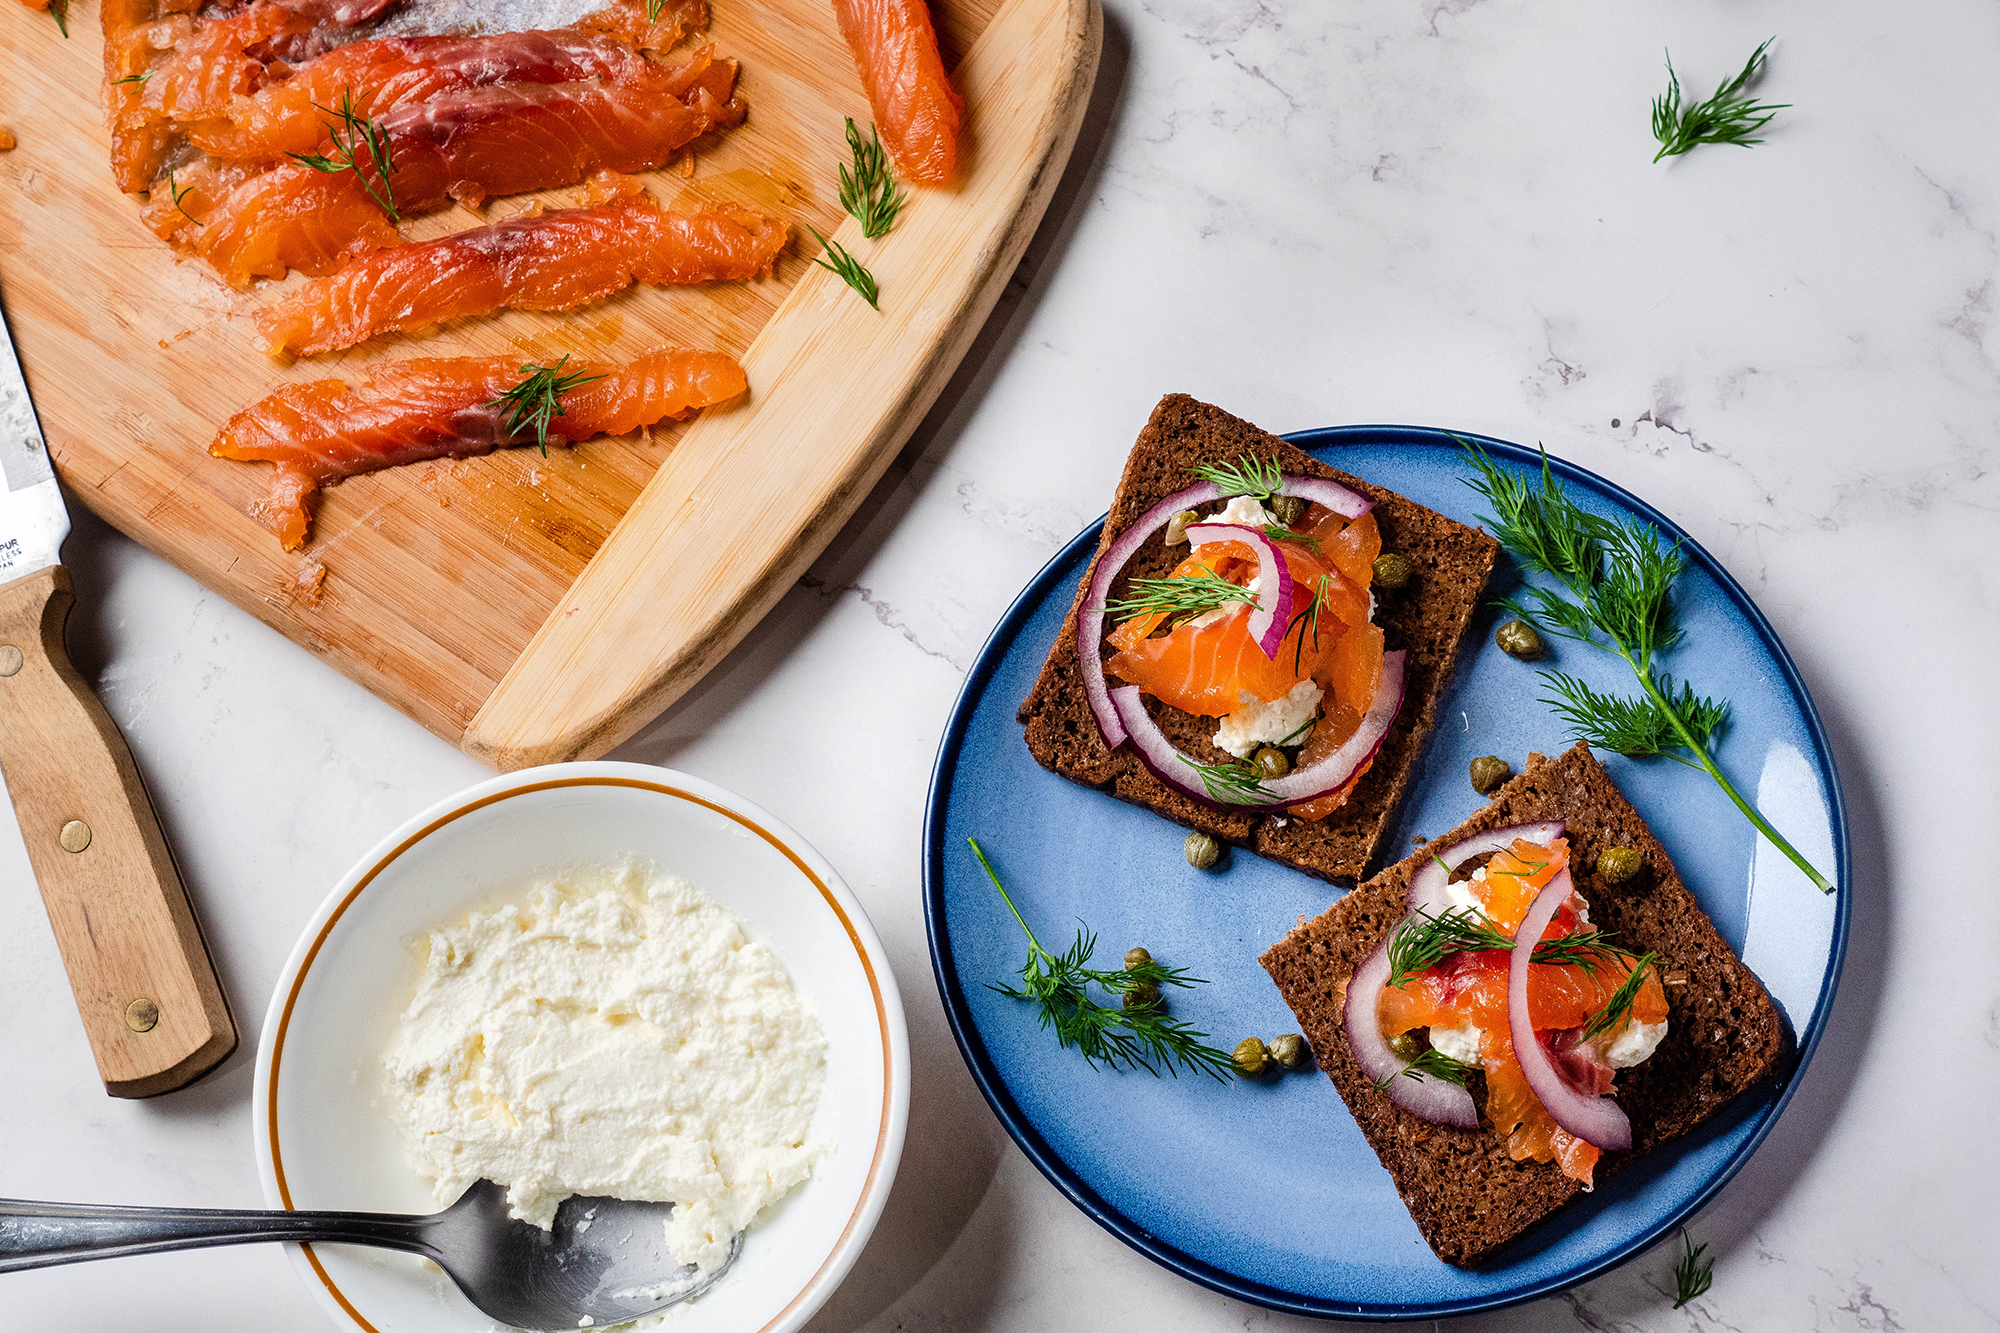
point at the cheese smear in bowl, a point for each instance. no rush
(615, 1034)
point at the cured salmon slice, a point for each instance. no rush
(286, 117)
(657, 32)
(466, 145)
(447, 407)
(556, 261)
(917, 111)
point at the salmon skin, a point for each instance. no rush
(466, 145)
(380, 75)
(557, 261)
(447, 407)
(917, 111)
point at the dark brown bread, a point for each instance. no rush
(1451, 561)
(1723, 1034)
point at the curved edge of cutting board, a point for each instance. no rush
(835, 390)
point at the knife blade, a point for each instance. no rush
(145, 986)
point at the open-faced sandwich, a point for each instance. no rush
(1512, 1014)
(1258, 648)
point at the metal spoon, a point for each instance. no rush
(605, 1262)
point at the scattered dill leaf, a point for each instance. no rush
(133, 78)
(845, 267)
(1248, 475)
(1189, 596)
(869, 191)
(1619, 1007)
(653, 8)
(180, 192)
(1144, 1037)
(1616, 594)
(1693, 1274)
(1232, 783)
(537, 400)
(59, 11)
(356, 140)
(1305, 539)
(1311, 609)
(1730, 116)
(1434, 1063)
(1422, 941)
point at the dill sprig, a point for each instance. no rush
(1232, 783)
(356, 139)
(133, 78)
(1423, 941)
(1311, 609)
(1189, 596)
(1730, 116)
(1248, 475)
(1305, 539)
(1138, 1038)
(537, 400)
(1434, 1063)
(180, 192)
(845, 267)
(1616, 594)
(869, 191)
(1693, 1274)
(59, 11)
(1618, 1008)
(653, 8)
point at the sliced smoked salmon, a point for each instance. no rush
(652, 30)
(554, 261)
(917, 111)
(451, 407)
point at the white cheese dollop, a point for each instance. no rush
(615, 1034)
(1461, 1044)
(1636, 1044)
(1247, 510)
(1259, 723)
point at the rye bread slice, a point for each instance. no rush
(1451, 562)
(1724, 1033)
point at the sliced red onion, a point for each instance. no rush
(1595, 1120)
(1299, 786)
(1271, 616)
(1329, 493)
(1425, 1096)
(1090, 616)
(1427, 886)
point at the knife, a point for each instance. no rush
(144, 983)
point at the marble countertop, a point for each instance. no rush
(1439, 212)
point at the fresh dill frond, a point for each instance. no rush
(1187, 597)
(59, 11)
(1232, 783)
(355, 140)
(133, 78)
(845, 267)
(1693, 1275)
(1730, 116)
(1616, 593)
(1248, 475)
(1311, 610)
(1619, 1007)
(180, 192)
(537, 400)
(1144, 1037)
(1434, 1063)
(1305, 539)
(868, 191)
(1423, 941)
(653, 8)
(1583, 948)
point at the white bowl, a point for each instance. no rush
(324, 1139)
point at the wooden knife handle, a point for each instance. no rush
(150, 1001)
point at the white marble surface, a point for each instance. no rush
(1435, 212)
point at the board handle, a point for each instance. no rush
(144, 983)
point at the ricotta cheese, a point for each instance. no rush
(1247, 510)
(617, 1034)
(1259, 723)
(1461, 1044)
(1636, 1044)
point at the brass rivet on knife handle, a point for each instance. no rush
(118, 910)
(142, 1015)
(10, 659)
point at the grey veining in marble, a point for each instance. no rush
(1439, 212)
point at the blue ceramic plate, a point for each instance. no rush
(1269, 1193)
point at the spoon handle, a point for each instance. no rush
(38, 1235)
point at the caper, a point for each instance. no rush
(1136, 958)
(1488, 772)
(1405, 1046)
(1270, 763)
(1202, 850)
(1145, 995)
(1289, 1050)
(1615, 865)
(1177, 526)
(1517, 638)
(1393, 571)
(1252, 1060)
(1289, 508)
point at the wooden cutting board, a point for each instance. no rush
(529, 609)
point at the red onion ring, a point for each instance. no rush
(1299, 786)
(1427, 885)
(1596, 1120)
(1090, 616)
(1425, 1096)
(1271, 616)
(1329, 493)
